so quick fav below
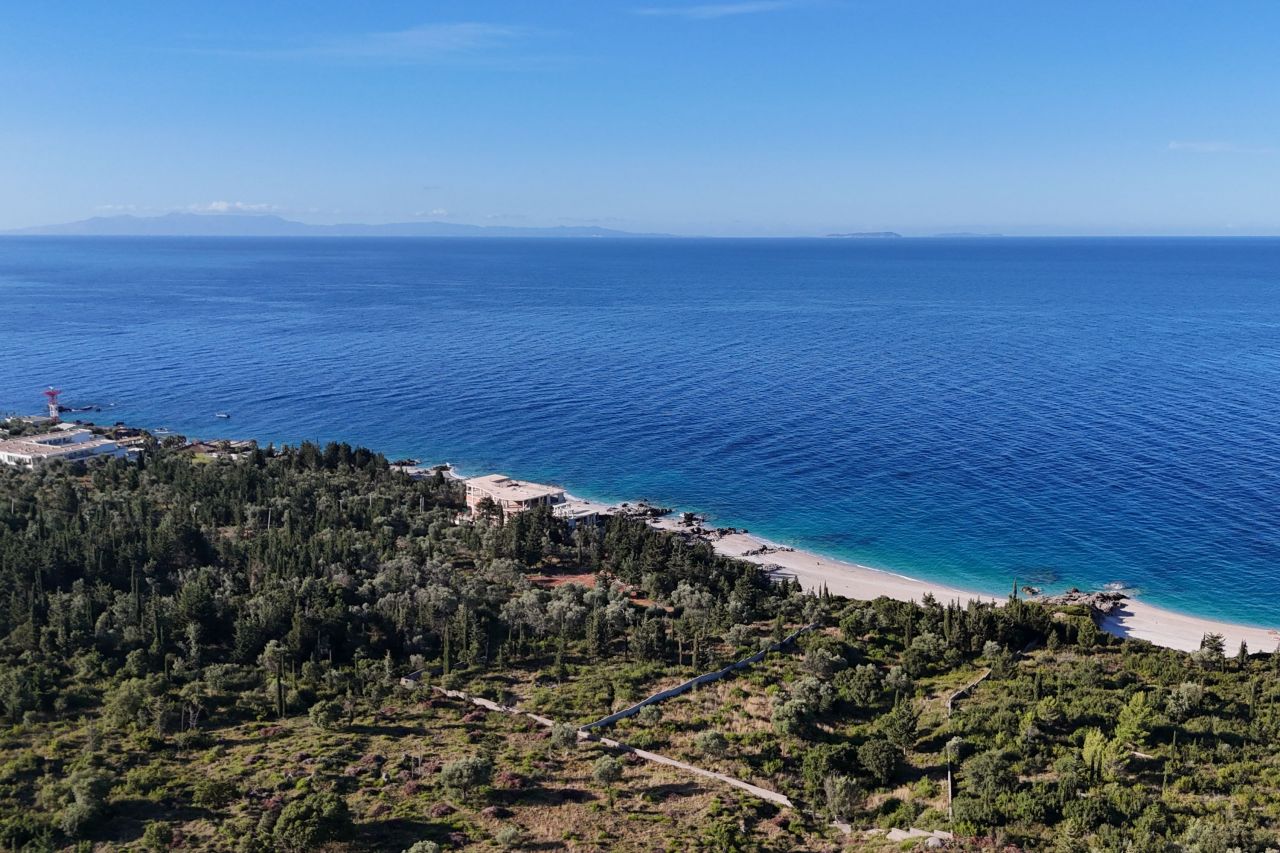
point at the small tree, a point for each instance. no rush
(879, 758)
(311, 821)
(712, 743)
(899, 682)
(987, 775)
(466, 774)
(1212, 653)
(823, 663)
(1135, 721)
(899, 726)
(1102, 755)
(272, 662)
(329, 715)
(843, 795)
(157, 836)
(488, 509)
(1184, 700)
(88, 801)
(564, 737)
(608, 772)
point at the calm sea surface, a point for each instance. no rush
(1066, 412)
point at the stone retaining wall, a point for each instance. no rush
(705, 678)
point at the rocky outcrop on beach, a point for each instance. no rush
(1101, 603)
(642, 509)
(767, 549)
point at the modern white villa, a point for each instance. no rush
(515, 496)
(69, 444)
(510, 495)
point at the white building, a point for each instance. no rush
(510, 495)
(69, 444)
(514, 496)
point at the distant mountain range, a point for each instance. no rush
(264, 225)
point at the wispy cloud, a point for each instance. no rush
(233, 207)
(422, 44)
(435, 213)
(1219, 147)
(711, 11)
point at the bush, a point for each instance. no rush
(329, 715)
(1185, 700)
(145, 779)
(650, 714)
(712, 743)
(880, 759)
(213, 794)
(466, 774)
(423, 847)
(843, 796)
(509, 837)
(307, 823)
(564, 737)
(157, 836)
(88, 801)
(24, 831)
(607, 771)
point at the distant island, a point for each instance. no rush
(867, 235)
(266, 225)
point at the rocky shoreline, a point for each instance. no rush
(1101, 603)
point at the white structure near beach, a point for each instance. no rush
(511, 496)
(515, 496)
(68, 444)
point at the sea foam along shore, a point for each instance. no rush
(1134, 618)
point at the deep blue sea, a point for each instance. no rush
(1063, 412)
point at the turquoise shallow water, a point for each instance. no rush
(1067, 412)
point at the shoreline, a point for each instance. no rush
(1134, 618)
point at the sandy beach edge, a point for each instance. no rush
(1135, 619)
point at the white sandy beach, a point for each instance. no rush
(1136, 619)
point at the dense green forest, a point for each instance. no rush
(203, 652)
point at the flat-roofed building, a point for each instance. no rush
(512, 496)
(578, 512)
(71, 444)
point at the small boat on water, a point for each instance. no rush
(223, 415)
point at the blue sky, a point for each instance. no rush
(744, 117)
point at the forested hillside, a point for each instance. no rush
(205, 652)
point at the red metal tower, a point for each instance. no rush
(55, 411)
